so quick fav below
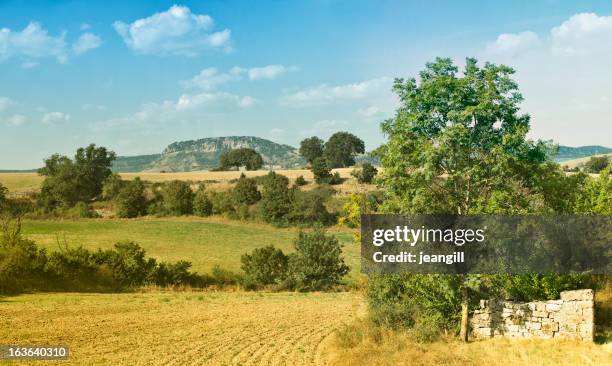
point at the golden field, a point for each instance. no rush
(23, 183)
(247, 328)
(180, 328)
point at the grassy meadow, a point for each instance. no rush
(205, 242)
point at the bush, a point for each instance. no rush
(335, 179)
(365, 174)
(81, 210)
(242, 157)
(127, 262)
(265, 266)
(177, 198)
(321, 170)
(300, 181)
(221, 202)
(275, 200)
(131, 200)
(245, 191)
(112, 186)
(317, 263)
(308, 208)
(202, 205)
(357, 205)
(596, 164)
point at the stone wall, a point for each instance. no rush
(571, 317)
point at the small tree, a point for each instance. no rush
(317, 263)
(202, 204)
(321, 170)
(596, 164)
(112, 186)
(3, 194)
(245, 191)
(266, 265)
(365, 174)
(275, 200)
(131, 200)
(300, 181)
(341, 149)
(311, 148)
(177, 198)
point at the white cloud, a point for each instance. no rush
(85, 26)
(370, 111)
(33, 42)
(5, 103)
(246, 102)
(210, 79)
(55, 117)
(582, 32)
(269, 72)
(563, 79)
(176, 31)
(87, 41)
(325, 94)
(14, 120)
(93, 107)
(512, 44)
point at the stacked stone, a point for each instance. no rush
(571, 317)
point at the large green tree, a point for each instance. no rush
(458, 145)
(68, 181)
(341, 148)
(311, 148)
(242, 157)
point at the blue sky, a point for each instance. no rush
(136, 76)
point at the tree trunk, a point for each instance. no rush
(463, 334)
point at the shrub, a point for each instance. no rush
(275, 200)
(170, 274)
(358, 204)
(365, 174)
(245, 191)
(3, 194)
(596, 164)
(265, 266)
(308, 208)
(177, 198)
(321, 170)
(221, 202)
(81, 210)
(112, 186)
(335, 179)
(202, 205)
(242, 157)
(127, 262)
(317, 263)
(131, 200)
(300, 181)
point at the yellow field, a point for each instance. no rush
(180, 328)
(22, 183)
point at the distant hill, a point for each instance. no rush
(571, 153)
(204, 154)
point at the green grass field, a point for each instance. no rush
(205, 242)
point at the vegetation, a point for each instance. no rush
(68, 181)
(365, 174)
(311, 149)
(321, 170)
(265, 266)
(242, 157)
(130, 201)
(457, 145)
(275, 198)
(177, 198)
(202, 204)
(597, 164)
(245, 191)
(341, 148)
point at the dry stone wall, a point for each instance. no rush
(571, 317)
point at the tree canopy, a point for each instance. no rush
(341, 148)
(68, 181)
(242, 157)
(311, 148)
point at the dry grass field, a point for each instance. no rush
(180, 328)
(579, 162)
(22, 183)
